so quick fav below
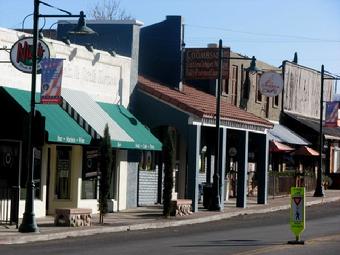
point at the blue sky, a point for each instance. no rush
(271, 30)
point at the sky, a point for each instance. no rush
(270, 30)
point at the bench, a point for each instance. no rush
(180, 207)
(73, 217)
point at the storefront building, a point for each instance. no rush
(95, 92)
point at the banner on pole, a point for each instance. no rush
(51, 75)
(331, 114)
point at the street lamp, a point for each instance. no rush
(216, 200)
(28, 222)
(319, 188)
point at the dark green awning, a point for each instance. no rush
(143, 138)
(60, 126)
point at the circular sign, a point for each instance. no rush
(22, 52)
(270, 84)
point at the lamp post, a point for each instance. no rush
(216, 190)
(28, 222)
(319, 188)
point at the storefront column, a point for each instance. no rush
(262, 168)
(222, 157)
(241, 200)
(194, 141)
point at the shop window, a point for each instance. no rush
(276, 101)
(203, 160)
(90, 172)
(336, 160)
(63, 172)
(224, 87)
(36, 176)
(147, 161)
(258, 95)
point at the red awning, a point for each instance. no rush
(305, 151)
(275, 146)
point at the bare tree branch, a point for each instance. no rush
(108, 10)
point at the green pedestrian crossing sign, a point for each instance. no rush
(297, 211)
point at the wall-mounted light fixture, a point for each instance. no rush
(89, 47)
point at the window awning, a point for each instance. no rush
(96, 117)
(143, 138)
(60, 126)
(125, 131)
(283, 134)
(275, 146)
(305, 151)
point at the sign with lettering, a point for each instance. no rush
(22, 52)
(297, 210)
(271, 84)
(202, 63)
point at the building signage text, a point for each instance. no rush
(22, 52)
(202, 63)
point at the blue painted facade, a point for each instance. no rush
(160, 51)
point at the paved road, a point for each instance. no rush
(245, 235)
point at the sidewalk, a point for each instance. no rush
(151, 217)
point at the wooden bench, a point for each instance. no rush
(181, 207)
(72, 217)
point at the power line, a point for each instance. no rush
(265, 34)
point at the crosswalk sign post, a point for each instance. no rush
(297, 213)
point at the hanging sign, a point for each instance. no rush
(270, 84)
(202, 63)
(297, 210)
(331, 114)
(51, 75)
(22, 52)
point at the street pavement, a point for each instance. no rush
(151, 218)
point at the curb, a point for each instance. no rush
(151, 225)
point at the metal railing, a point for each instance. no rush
(9, 205)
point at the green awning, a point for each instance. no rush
(60, 126)
(143, 138)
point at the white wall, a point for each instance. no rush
(102, 76)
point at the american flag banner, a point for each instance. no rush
(331, 114)
(51, 75)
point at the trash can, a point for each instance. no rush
(207, 194)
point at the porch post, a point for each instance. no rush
(223, 165)
(241, 200)
(262, 168)
(194, 141)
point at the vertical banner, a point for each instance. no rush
(51, 75)
(331, 114)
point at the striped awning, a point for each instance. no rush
(60, 127)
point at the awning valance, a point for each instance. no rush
(305, 151)
(143, 138)
(275, 146)
(125, 131)
(61, 128)
(283, 134)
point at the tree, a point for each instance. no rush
(109, 10)
(105, 173)
(169, 151)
